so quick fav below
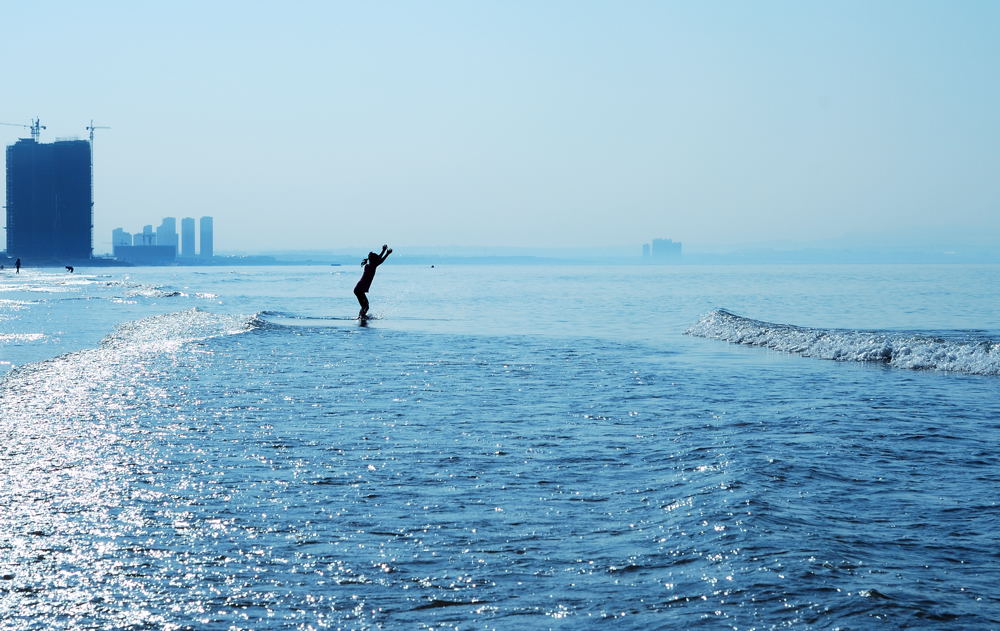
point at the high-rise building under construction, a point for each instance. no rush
(49, 200)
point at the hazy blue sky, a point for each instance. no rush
(566, 123)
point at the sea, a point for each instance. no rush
(500, 447)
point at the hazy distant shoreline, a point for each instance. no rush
(739, 257)
(424, 256)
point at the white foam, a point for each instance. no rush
(170, 330)
(138, 290)
(21, 337)
(914, 351)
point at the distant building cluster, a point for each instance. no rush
(662, 250)
(49, 200)
(163, 245)
(50, 204)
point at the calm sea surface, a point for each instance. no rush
(504, 447)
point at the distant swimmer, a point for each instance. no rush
(69, 268)
(17, 266)
(370, 263)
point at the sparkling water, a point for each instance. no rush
(503, 447)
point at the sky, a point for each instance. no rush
(332, 125)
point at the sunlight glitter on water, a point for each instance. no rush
(219, 471)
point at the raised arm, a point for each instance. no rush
(386, 251)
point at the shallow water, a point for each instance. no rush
(504, 447)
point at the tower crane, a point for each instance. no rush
(91, 127)
(36, 127)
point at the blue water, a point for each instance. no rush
(504, 447)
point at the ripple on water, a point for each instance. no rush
(361, 478)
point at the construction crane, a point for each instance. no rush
(36, 127)
(91, 127)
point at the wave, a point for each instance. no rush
(298, 316)
(130, 340)
(17, 304)
(138, 290)
(39, 289)
(21, 337)
(170, 330)
(961, 352)
(94, 382)
(153, 292)
(285, 320)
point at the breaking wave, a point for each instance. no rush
(138, 290)
(21, 337)
(918, 351)
(122, 352)
(92, 383)
(170, 330)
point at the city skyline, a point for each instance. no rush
(568, 124)
(172, 245)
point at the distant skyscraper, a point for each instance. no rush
(206, 238)
(120, 237)
(149, 247)
(187, 237)
(666, 249)
(146, 237)
(645, 250)
(166, 232)
(49, 200)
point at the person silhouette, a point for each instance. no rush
(369, 264)
(17, 266)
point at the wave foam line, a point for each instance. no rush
(21, 337)
(171, 330)
(912, 351)
(90, 383)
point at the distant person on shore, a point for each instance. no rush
(369, 264)
(17, 266)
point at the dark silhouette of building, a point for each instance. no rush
(49, 200)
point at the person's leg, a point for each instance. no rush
(363, 301)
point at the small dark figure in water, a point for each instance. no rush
(69, 268)
(370, 263)
(17, 266)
